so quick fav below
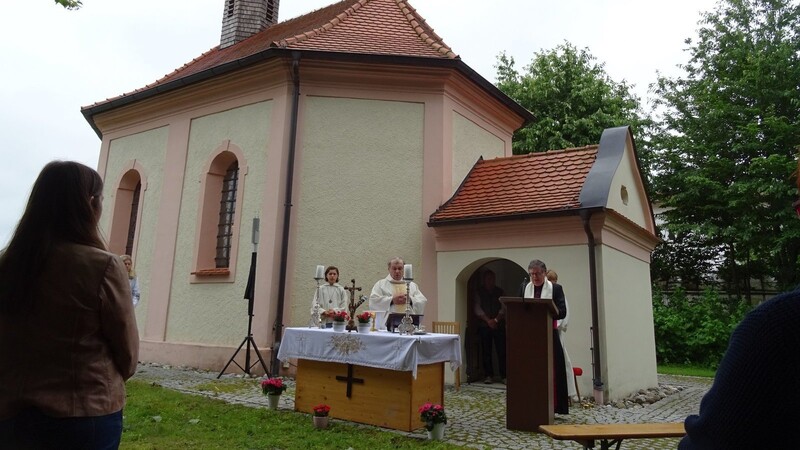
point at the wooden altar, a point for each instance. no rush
(338, 369)
(381, 397)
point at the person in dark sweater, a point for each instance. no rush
(492, 325)
(754, 400)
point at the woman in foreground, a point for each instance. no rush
(68, 337)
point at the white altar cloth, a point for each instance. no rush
(379, 349)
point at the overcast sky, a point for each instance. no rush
(58, 61)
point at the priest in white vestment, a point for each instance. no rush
(389, 294)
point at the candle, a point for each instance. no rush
(407, 272)
(320, 273)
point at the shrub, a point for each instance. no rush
(694, 330)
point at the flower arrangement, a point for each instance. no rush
(339, 316)
(273, 386)
(432, 414)
(364, 317)
(321, 410)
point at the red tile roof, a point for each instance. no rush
(389, 27)
(520, 185)
(370, 27)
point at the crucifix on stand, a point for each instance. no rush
(353, 304)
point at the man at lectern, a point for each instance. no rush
(541, 287)
(389, 294)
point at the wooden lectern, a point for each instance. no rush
(529, 362)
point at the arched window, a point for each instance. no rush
(219, 212)
(126, 211)
(137, 192)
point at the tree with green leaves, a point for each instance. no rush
(728, 138)
(683, 261)
(571, 97)
(69, 4)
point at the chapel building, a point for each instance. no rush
(353, 134)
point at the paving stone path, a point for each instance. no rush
(476, 413)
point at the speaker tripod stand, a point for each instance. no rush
(248, 340)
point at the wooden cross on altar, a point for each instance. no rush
(350, 380)
(353, 305)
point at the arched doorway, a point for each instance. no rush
(508, 276)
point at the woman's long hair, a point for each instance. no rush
(64, 206)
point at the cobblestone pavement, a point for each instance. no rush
(476, 413)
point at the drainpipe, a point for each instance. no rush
(277, 328)
(597, 377)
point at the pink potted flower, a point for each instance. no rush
(273, 388)
(435, 419)
(321, 415)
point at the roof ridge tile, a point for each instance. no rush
(327, 26)
(417, 23)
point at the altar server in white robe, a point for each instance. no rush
(331, 296)
(389, 294)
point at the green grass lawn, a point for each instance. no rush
(159, 418)
(691, 371)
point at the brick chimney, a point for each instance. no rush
(244, 18)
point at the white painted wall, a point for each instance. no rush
(626, 323)
(148, 149)
(626, 183)
(216, 313)
(358, 194)
(470, 141)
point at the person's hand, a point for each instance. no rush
(399, 299)
(492, 323)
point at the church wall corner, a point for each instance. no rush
(146, 151)
(625, 303)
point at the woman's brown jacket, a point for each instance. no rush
(71, 357)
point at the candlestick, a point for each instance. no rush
(316, 311)
(407, 274)
(320, 273)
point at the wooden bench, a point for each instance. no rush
(610, 434)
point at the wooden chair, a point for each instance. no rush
(450, 328)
